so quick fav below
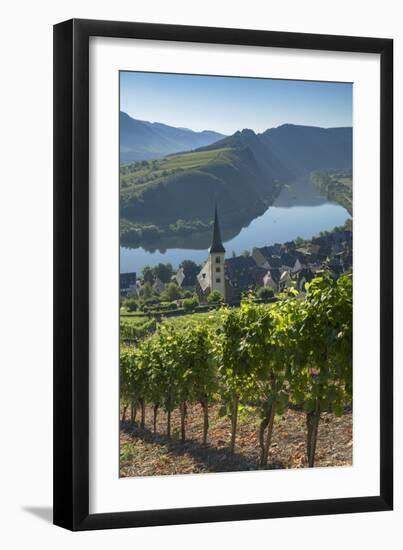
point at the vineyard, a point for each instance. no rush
(256, 369)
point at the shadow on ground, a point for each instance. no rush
(214, 459)
(45, 513)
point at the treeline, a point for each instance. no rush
(133, 234)
(336, 186)
(297, 351)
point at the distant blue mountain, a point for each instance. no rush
(142, 140)
(304, 149)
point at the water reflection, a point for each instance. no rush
(299, 211)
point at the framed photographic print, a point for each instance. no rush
(223, 274)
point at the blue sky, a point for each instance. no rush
(228, 104)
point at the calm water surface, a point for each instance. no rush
(299, 211)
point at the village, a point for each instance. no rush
(235, 328)
(181, 351)
(266, 271)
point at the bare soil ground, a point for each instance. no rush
(143, 453)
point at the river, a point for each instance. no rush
(299, 211)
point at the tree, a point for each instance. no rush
(321, 374)
(190, 268)
(131, 304)
(215, 297)
(190, 304)
(297, 350)
(163, 272)
(150, 233)
(202, 374)
(133, 380)
(253, 366)
(140, 383)
(235, 369)
(172, 292)
(148, 274)
(146, 291)
(170, 356)
(125, 377)
(269, 350)
(182, 372)
(245, 253)
(150, 357)
(265, 293)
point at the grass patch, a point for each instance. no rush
(211, 318)
(134, 320)
(128, 452)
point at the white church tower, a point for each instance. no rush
(212, 275)
(217, 258)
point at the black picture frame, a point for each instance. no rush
(71, 274)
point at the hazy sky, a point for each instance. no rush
(228, 104)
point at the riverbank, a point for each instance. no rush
(276, 225)
(185, 233)
(336, 186)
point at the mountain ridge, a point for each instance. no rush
(308, 148)
(144, 140)
(244, 172)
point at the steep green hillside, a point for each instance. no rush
(175, 195)
(171, 197)
(185, 185)
(266, 161)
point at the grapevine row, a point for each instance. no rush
(297, 350)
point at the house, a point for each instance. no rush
(284, 257)
(285, 280)
(258, 274)
(277, 266)
(298, 266)
(261, 255)
(266, 257)
(241, 275)
(271, 279)
(287, 260)
(184, 279)
(128, 283)
(274, 262)
(276, 249)
(239, 265)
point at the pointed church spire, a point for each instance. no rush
(216, 244)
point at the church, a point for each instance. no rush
(212, 274)
(232, 277)
(235, 276)
(276, 266)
